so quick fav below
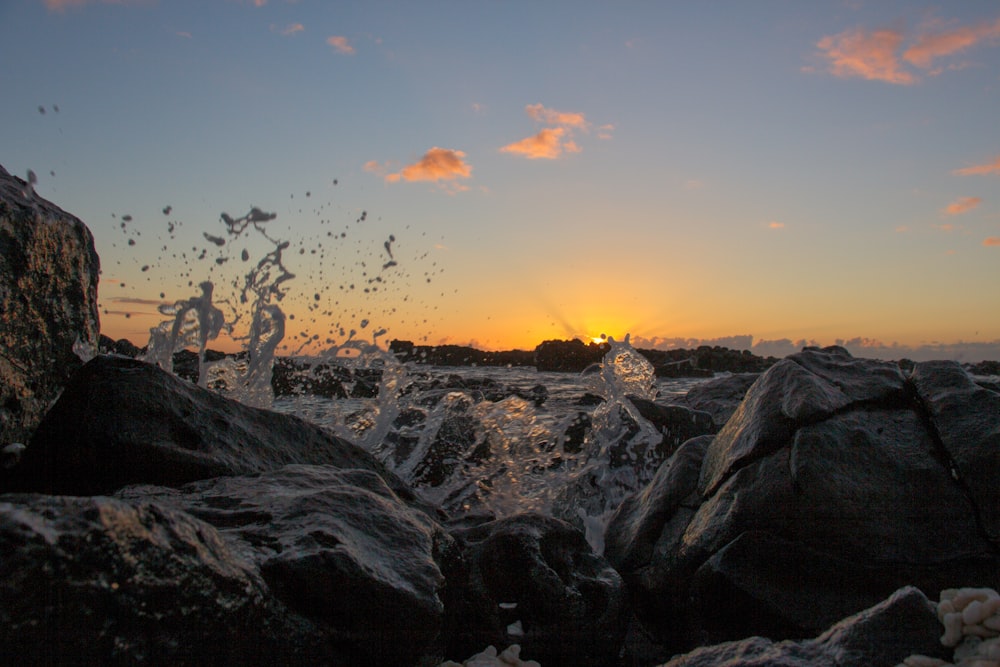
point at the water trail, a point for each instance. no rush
(194, 323)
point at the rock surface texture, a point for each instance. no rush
(48, 300)
(121, 421)
(836, 481)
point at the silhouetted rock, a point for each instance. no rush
(568, 355)
(885, 634)
(336, 547)
(827, 489)
(48, 301)
(95, 581)
(121, 421)
(720, 396)
(534, 581)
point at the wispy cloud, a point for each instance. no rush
(774, 224)
(937, 44)
(439, 165)
(962, 205)
(184, 34)
(288, 30)
(980, 169)
(551, 143)
(878, 55)
(548, 144)
(63, 5)
(340, 44)
(864, 54)
(991, 241)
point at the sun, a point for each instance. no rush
(603, 338)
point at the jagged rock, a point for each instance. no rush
(48, 301)
(121, 421)
(825, 491)
(337, 547)
(90, 581)
(884, 634)
(967, 418)
(535, 581)
(677, 423)
(720, 396)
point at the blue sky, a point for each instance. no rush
(681, 171)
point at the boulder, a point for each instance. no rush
(719, 396)
(828, 488)
(568, 355)
(90, 581)
(48, 302)
(122, 421)
(534, 581)
(337, 547)
(885, 634)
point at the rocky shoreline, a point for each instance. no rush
(146, 520)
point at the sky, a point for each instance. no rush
(759, 175)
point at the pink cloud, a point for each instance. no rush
(63, 5)
(559, 118)
(962, 205)
(340, 44)
(546, 145)
(291, 29)
(980, 169)
(437, 164)
(991, 241)
(774, 224)
(933, 45)
(868, 55)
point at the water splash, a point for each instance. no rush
(194, 322)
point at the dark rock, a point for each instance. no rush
(720, 396)
(292, 377)
(539, 571)
(48, 301)
(91, 581)
(966, 418)
(677, 423)
(568, 355)
(122, 421)
(336, 547)
(123, 347)
(885, 634)
(826, 490)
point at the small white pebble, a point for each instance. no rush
(917, 660)
(977, 631)
(973, 613)
(952, 629)
(993, 623)
(967, 595)
(515, 629)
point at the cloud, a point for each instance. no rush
(947, 227)
(962, 205)
(548, 144)
(288, 30)
(868, 55)
(774, 224)
(559, 118)
(902, 229)
(340, 44)
(933, 45)
(604, 131)
(981, 169)
(991, 241)
(437, 165)
(63, 5)
(185, 35)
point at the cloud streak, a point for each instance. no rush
(962, 205)
(340, 44)
(443, 166)
(63, 5)
(991, 241)
(552, 142)
(879, 55)
(980, 169)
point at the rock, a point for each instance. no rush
(720, 396)
(967, 419)
(89, 581)
(677, 423)
(122, 421)
(337, 547)
(48, 301)
(568, 355)
(123, 347)
(826, 490)
(534, 580)
(884, 634)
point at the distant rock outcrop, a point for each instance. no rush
(48, 302)
(568, 355)
(835, 482)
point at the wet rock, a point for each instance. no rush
(720, 396)
(534, 580)
(677, 423)
(337, 547)
(966, 417)
(884, 634)
(89, 581)
(122, 421)
(827, 489)
(48, 301)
